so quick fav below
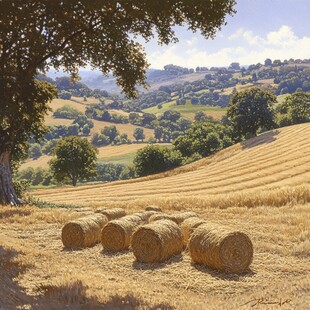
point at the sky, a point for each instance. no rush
(275, 29)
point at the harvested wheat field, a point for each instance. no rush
(273, 160)
(260, 187)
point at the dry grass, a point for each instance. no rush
(39, 271)
(261, 186)
(271, 169)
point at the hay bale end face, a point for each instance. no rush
(188, 226)
(220, 248)
(153, 208)
(112, 214)
(83, 232)
(116, 235)
(157, 241)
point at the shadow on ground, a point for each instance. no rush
(148, 266)
(67, 296)
(263, 138)
(222, 275)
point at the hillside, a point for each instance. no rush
(261, 186)
(272, 160)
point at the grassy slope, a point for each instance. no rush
(274, 159)
(188, 110)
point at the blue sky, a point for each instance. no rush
(276, 29)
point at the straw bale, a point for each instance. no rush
(83, 232)
(116, 235)
(159, 216)
(176, 217)
(153, 208)
(157, 241)
(181, 217)
(221, 248)
(188, 226)
(112, 214)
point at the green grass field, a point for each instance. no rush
(188, 110)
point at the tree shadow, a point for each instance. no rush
(12, 294)
(222, 275)
(263, 138)
(72, 295)
(155, 266)
(12, 212)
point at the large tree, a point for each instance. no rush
(75, 160)
(251, 110)
(36, 35)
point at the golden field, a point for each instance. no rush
(261, 186)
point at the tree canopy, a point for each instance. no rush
(75, 160)
(251, 110)
(295, 109)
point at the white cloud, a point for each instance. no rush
(243, 46)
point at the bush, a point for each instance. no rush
(154, 159)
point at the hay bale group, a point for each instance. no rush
(155, 237)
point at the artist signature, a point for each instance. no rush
(264, 301)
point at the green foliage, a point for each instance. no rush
(35, 151)
(251, 110)
(67, 112)
(108, 172)
(33, 177)
(203, 139)
(111, 132)
(139, 134)
(64, 95)
(75, 160)
(295, 109)
(154, 159)
(129, 172)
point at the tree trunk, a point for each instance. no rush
(7, 191)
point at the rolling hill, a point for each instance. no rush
(261, 186)
(271, 161)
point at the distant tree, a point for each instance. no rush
(154, 159)
(64, 95)
(203, 139)
(111, 132)
(234, 66)
(35, 151)
(75, 160)
(139, 134)
(277, 62)
(99, 139)
(158, 133)
(295, 109)
(268, 62)
(171, 115)
(250, 110)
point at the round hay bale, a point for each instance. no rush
(153, 208)
(157, 241)
(116, 235)
(112, 214)
(181, 217)
(159, 216)
(221, 248)
(83, 232)
(188, 226)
